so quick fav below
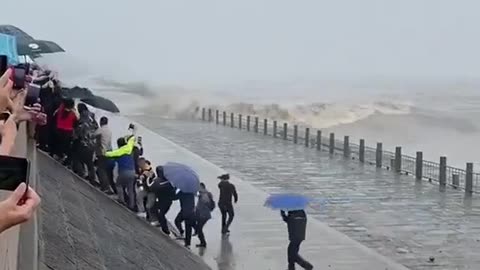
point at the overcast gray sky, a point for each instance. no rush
(226, 41)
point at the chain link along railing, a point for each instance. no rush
(440, 172)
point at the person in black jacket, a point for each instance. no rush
(165, 194)
(186, 214)
(227, 192)
(297, 225)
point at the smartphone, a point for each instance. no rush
(13, 172)
(18, 75)
(3, 64)
(33, 93)
(139, 138)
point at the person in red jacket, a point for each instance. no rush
(65, 119)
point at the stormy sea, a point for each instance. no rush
(440, 120)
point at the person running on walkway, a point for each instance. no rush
(165, 194)
(227, 192)
(205, 206)
(297, 225)
(186, 214)
(84, 144)
(126, 171)
(145, 198)
(104, 144)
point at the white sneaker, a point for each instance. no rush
(142, 214)
(155, 223)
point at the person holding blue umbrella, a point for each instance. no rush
(186, 180)
(292, 211)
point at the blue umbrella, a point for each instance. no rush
(287, 202)
(182, 177)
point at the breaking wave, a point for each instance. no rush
(177, 102)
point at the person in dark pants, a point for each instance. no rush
(187, 214)
(227, 192)
(85, 142)
(165, 194)
(126, 171)
(297, 225)
(205, 206)
(103, 144)
(65, 119)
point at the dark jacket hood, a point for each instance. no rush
(159, 170)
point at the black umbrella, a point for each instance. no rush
(77, 92)
(28, 45)
(15, 31)
(36, 47)
(101, 103)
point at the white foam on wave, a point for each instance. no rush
(174, 102)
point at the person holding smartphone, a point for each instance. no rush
(19, 207)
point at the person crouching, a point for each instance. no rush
(145, 197)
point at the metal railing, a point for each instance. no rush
(440, 172)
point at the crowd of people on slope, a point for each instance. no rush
(70, 133)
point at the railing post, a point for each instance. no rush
(265, 127)
(332, 143)
(455, 180)
(240, 120)
(256, 124)
(379, 155)
(307, 137)
(209, 115)
(203, 114)
(248, 122)
(232, 120)
(275, 129)
(419, 166)
(319, 140)
(285, 131)
(217, 120)
(442, 176)
(224, 118)
(295, 134)
(469, 178)
(398, 159)
(361, 151)
(346, 146)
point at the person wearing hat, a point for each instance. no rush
(227, 193)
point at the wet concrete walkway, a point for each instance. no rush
(259, 236)
(404, 220)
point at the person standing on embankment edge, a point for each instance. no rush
(227, 191)
(104, 144)
(126, 171)
(297, 225)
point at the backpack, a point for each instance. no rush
(85, 131)
(211, 203)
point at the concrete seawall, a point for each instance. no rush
(78, 227)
